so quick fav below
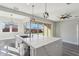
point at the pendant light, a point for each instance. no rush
(45, 14)
(33, 19)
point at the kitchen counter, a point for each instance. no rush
(37, 43)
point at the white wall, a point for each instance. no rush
(68, 31)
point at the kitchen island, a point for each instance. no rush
(38, 46)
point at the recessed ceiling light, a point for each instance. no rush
(68, 3)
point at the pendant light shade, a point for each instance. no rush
(45, 14)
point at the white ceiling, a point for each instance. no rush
(54, 9)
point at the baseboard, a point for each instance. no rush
(70, 42)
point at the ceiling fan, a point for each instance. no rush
(65, 16)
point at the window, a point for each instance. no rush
(8, 27)
(2, 25)
(38, 28)
(35, 27)
(14, 28)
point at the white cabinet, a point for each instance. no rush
(51, 49)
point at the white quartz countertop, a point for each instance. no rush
(38, 42)
(43, 42)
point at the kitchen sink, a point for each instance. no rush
(25, 36)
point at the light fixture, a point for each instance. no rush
(62, 19)
(65, 16)
(68, 3)
(45, 14)
(33, 19)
